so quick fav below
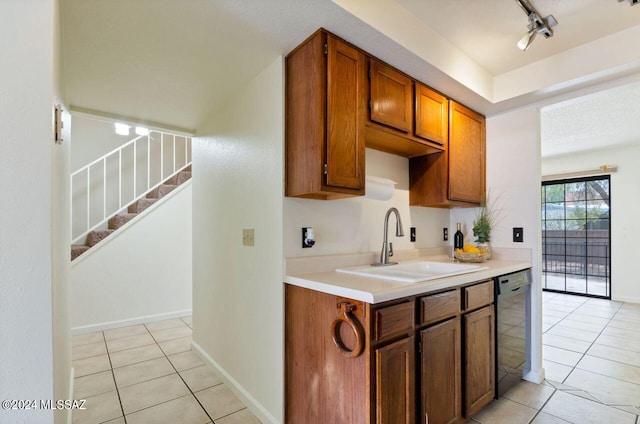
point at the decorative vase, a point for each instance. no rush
(485, 246)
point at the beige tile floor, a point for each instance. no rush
(148, 374)
(591, 356)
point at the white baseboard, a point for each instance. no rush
(131, 321)
(71, 388)
(628, 299)
(534, 376)
(245, 397)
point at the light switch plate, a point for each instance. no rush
(247, 237)
(518, 234)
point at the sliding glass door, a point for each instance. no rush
(576, 236)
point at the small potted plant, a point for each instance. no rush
(486, 219)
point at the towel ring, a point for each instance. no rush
(346, 316)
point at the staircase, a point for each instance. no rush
(136, 208)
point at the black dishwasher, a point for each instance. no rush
(511, 329)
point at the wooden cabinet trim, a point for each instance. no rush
(393, 320)
(395, 382)
(340, 388)
(467, 147)
(390, 97)
(440, 306)
(479, 359)
(441, 372)
(431, 115)
(346, 109)
(305, 119)
(478, 295)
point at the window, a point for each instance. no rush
(576, 236)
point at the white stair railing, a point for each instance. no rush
(129, 190)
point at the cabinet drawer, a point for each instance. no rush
(437, 307)
(393, 320)
(478, 295)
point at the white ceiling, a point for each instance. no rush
(487, 31)
(172, 63)
(602, 120)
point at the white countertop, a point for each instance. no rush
(373, 290)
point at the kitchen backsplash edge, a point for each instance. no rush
(324, 263)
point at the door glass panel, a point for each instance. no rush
(576, 228)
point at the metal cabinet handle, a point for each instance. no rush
(347, 317)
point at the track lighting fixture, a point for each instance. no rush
(537, 25)
(631, 2)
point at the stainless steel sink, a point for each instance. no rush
(413, 272)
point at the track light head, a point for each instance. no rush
(527, 39)
(536, 25)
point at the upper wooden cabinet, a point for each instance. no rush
(432, 115)
(391, 94)
(404, 118)
(339, 99)
(455, 177)
(466, 154)
(325, 118)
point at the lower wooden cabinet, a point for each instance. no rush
(479, 359)
(421, 356)
(395, 382)
(440, 377)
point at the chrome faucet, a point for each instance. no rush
(385, 254)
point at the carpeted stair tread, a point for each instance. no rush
(141, 205)
(183, 176)
(77, 250)
(95, 237)
(119, 220)
(153, 194)
(165, 189)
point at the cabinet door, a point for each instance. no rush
(395, 383)
(346, 114)
(466, 154)
(390, 97)
(479, 358)
(432, 115)
(441, 373)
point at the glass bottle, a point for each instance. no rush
(458, 238)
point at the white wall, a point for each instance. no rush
(357, 224)
(60, 226)
(237, 290)
(27, 164)
(625, 203)
(513, 179)
(138, 274)
(514, 176)
(92, 138)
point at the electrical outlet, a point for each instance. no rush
(247, 237)
(412, 233)
(445, 234)
(518, 234)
